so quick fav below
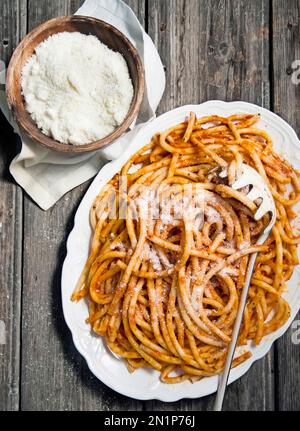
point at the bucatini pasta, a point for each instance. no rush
(171, 244)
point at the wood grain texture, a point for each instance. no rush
(286, 49)
(12, 29)
(216, 50)
(54, 374)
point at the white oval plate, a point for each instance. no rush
(145, 384)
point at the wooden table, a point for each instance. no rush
(218, 49)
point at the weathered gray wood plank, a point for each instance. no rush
(12, 29)
(216, 50)
(211, 50)
(54, 375)
(286, 49)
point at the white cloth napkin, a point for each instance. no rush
(47, 175)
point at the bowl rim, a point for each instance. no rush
(28, 125)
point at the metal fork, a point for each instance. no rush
(259, 190)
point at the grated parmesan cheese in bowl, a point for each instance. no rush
(76, 89)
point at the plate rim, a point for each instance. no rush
(130, 391)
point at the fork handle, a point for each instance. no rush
(223, 379)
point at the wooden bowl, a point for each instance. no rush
(107, 34)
